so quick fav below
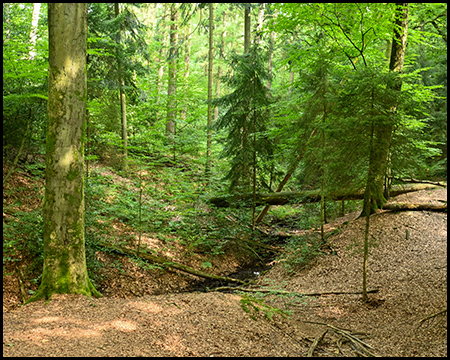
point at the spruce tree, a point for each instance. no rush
(245, 119)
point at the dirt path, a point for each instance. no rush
(409, 267)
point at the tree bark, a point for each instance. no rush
(247, 28)
(301, 197)
(64, 269)
(34, 28)
(210, 76)
(172, 85)
(122, 99)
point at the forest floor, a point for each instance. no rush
(407, 267)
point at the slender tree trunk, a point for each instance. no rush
(210, 78)
(160, 37)
(187, 61)
(63, 210)
(172, 85)
(122, 99)
(34, 28)
(271, 45)
(259, 24)
(219, 68)
(247, 28)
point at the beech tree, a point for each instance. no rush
(65, 269)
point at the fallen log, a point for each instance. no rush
(415, 207)
(169, 263)
(301, 197)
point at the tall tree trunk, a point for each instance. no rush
(34, 28)
(247, 28)
(271, 45)
(172, 85)
(187, 61)
(159, 37)
(383, 132)
(259, 24)
(122, 99)
(63, 210)
(210, 78)
(219, 68)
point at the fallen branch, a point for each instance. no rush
(170, 263)
(315, 343)
(433, 315)
(415, 207)
(291, 293)
(358, 345)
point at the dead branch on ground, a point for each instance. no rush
(291, 293)
(359, 346)
(316, 342)
(433, 315)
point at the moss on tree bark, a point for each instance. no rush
(65, 269)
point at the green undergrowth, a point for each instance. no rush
(167, 203)
(253, 305)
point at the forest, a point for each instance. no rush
(224, 179)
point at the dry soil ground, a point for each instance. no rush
(408, 267)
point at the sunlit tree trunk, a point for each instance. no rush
(259, 24)
(159, 37)
(34, 28)
(63, 209)
(221, 57)
(123, 101)
(271, 45)
(187, 62)
(210, 78)
(247, 28)
(172, 85)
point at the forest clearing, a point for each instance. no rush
(225, 179)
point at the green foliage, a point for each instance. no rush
(299, 251)
(253, 305)
(23, 234)
(24, 80)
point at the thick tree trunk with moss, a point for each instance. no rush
(65, 269)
